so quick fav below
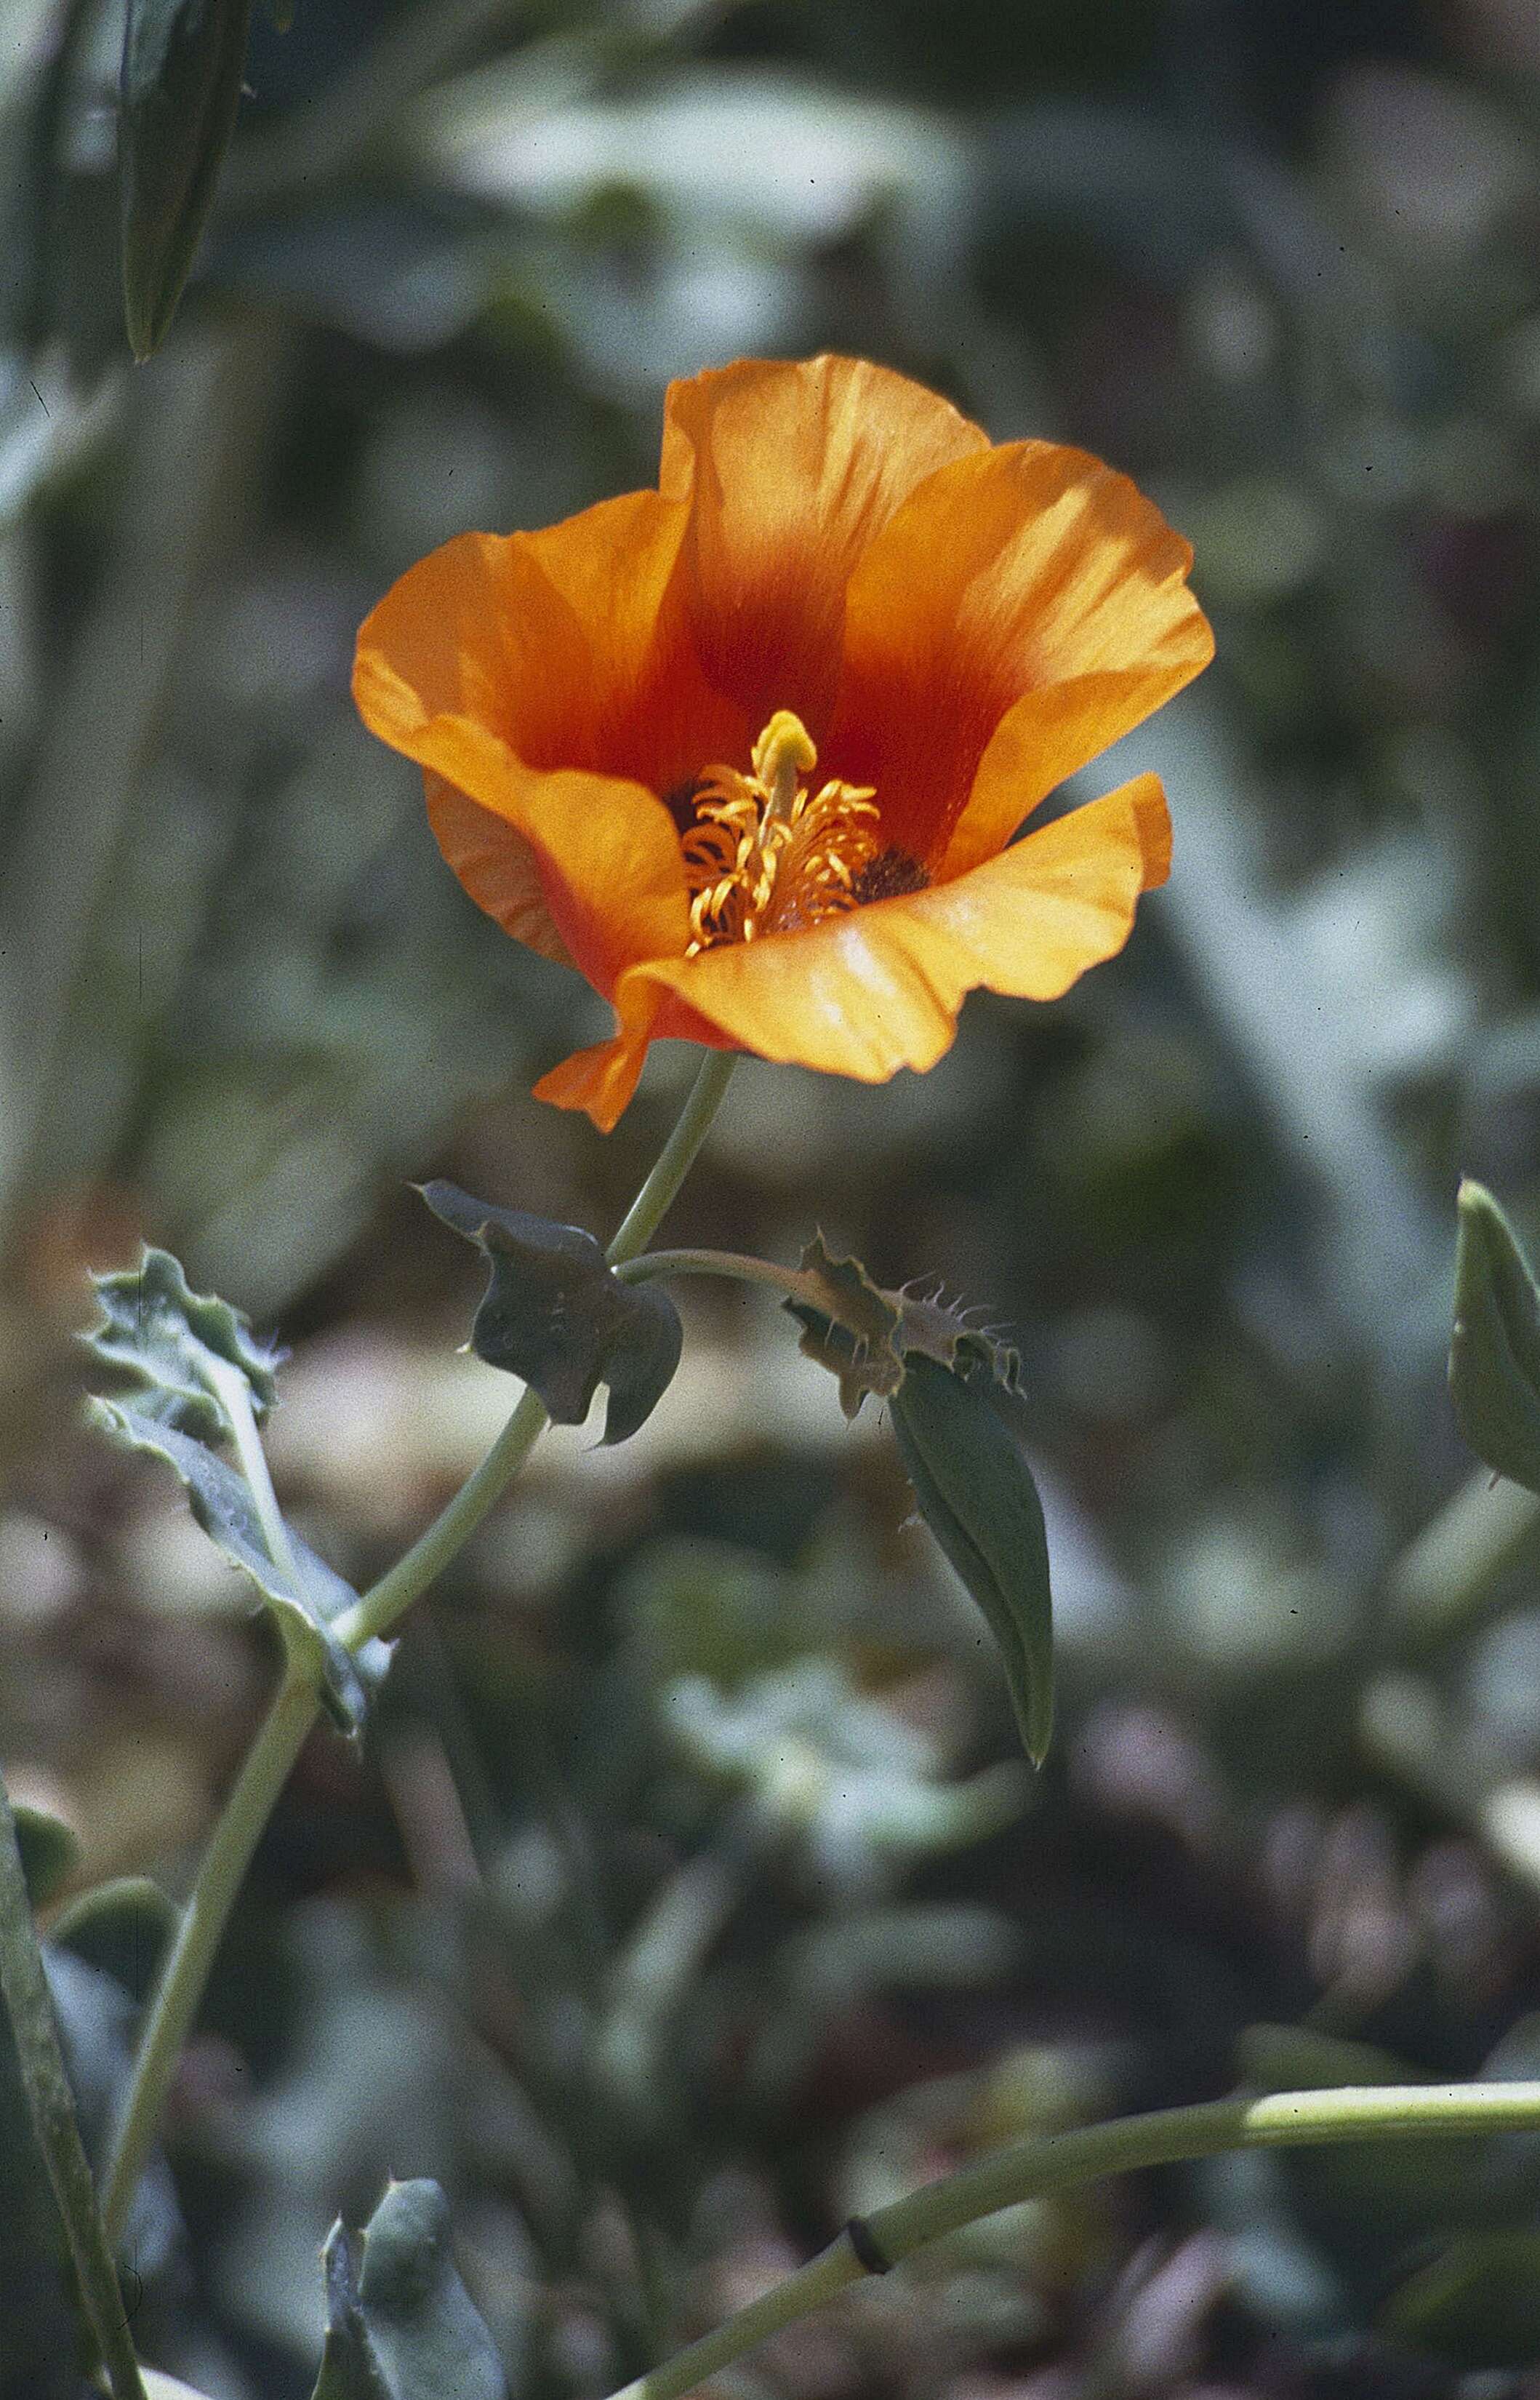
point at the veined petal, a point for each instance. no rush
(1029, 579)
(790, 472)
(879, 988)
(497, 866)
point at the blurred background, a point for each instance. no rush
(689, 1893)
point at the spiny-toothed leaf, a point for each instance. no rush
(400, 2324)
(976, 1493)
(556, 1316)
(50, 1851)
(122, 1928)
(179, 90)
(1494, 1350)
(935, 1330)
(160, 1338)
(848, 1325)
(222, 1502)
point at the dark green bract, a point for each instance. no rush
(555, 1315)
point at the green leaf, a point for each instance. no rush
(161, 1340)
(1477, 2304)
(222, 1502)
(179, 92)
(50, 1852)
(555, 1315)
(1494, 1350)
(122, 1928)
(976, 1493)
(400, 2324)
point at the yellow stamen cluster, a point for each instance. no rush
(764, 855)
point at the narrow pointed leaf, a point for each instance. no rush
(222, 1502)
(1494, 1350)
(555, 1315)
(400, 2324)
(976, 1493)
(180, 87)
(160, 1339)
(50, 1851)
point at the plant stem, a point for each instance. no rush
(387, 1599)
(180, 1985)
(659, 1266)
(1383, 2112)
(295, 1705)
(675, 1159)
(25, 1987)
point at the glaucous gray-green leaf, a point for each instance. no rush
(160, 1339)
(122, 1928)
(179, 92)
(222, 1502)
(554, 1314)
(400, 2324)
(50, 1851)
(976, 1493)
(1494, 1350)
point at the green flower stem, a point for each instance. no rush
(51, 2104)
(1051, 2161)
(296, 1707)
(387, 1599)
(180, 1987)
(675, 1159)
(660, 1264)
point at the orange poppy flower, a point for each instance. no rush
(749, 751)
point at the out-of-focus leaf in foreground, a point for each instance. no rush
(554, 1314)
(400, 2324)
(180, 86)
(1494, 1351)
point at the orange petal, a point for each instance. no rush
(1030, 584)
(497, 866)
(878, 988)
(791, 471)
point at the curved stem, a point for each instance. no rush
(180, 1987)
(675, 1159)
(1385, 2112)
(295, 1705)
(658, 1264)
(387, 1599)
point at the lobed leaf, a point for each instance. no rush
(976, 1493)
(400, 2324)
(221, 1501)
(179, 92)
(555, 1315)
(159, 1338)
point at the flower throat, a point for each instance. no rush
(768, 854)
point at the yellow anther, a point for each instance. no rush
(763, 853)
